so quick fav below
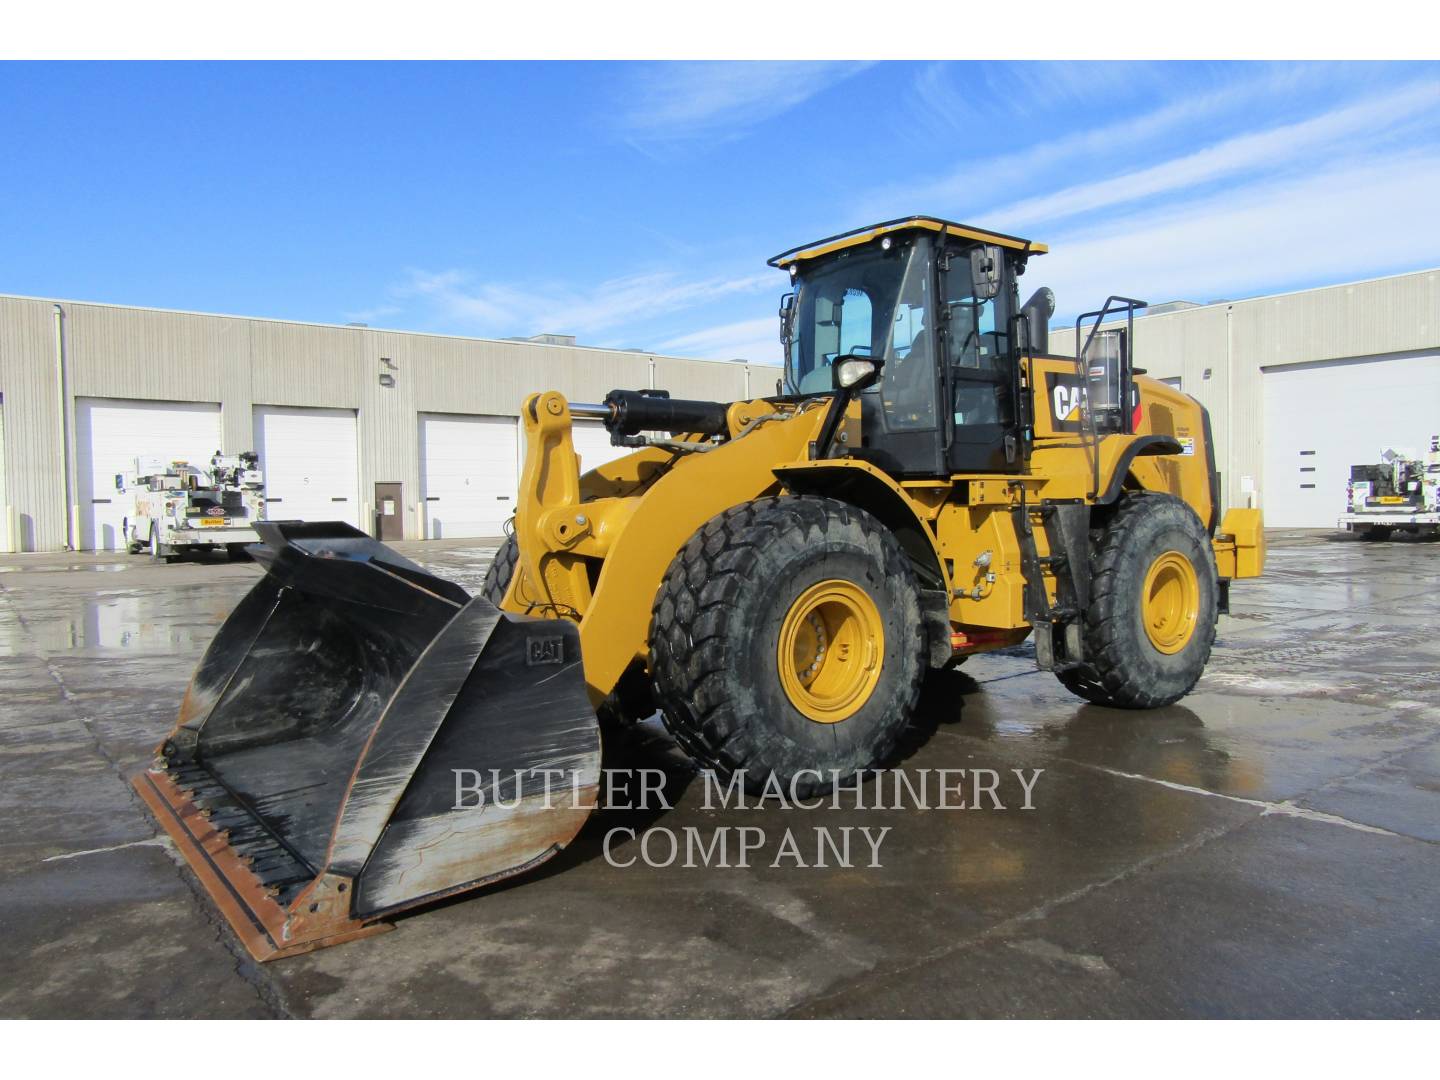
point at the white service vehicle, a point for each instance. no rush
(1401, 492)
(178, 507)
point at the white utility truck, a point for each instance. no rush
(1401, 493)
(178, 507)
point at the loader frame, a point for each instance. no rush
(594, 549)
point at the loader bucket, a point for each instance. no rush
(362, 737)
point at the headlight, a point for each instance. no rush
(853, 371)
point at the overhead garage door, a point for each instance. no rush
(468, 471)
(310, 458)
(111, 433)
(1322, 418)
(592, 443)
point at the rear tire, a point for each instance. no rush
(1376, 532)
(1153, 606)
(758, 586)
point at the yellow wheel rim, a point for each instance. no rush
(1170, 602)
(831, 650)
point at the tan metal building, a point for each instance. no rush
(344, 417)
(1301, 386)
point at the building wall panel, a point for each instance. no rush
(388, 423)
(34, 478)
(299, 364)
(707, 381)
(119, 352)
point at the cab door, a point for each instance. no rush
(901, 419)
(979, 367)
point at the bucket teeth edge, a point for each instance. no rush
(316, 918)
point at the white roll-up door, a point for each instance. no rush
(1322, 418)
(592, 444)
(311, 461)
(468, 472)
(110, 433)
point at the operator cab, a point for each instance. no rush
(933, 304)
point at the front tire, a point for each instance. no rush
(502, 569)
(787, 641)
(1153, 606)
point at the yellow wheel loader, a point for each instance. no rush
(776, 576)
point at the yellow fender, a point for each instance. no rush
(861, 484)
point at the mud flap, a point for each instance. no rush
(362, 737)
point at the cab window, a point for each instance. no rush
(978, 348)
(907, 381)
(975, 339)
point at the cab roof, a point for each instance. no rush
(918, 221)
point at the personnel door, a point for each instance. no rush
(389, 512)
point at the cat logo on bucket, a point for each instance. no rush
(546, 650)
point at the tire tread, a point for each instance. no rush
(695, 608)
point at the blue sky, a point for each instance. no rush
(634, 205)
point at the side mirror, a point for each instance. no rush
(985, 263)
(854, 373)
(787, 309)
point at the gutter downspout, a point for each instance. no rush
(67, 514)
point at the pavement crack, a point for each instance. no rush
(1015, 922)
(1285, 808)
(159, 841)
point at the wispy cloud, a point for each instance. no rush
(678, 101)
(945, 101)
(964, 189)
(756, 340)
(1250, 185)
(1341, 224)
(1031, 88)
(506, 308)
(1345, 129)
